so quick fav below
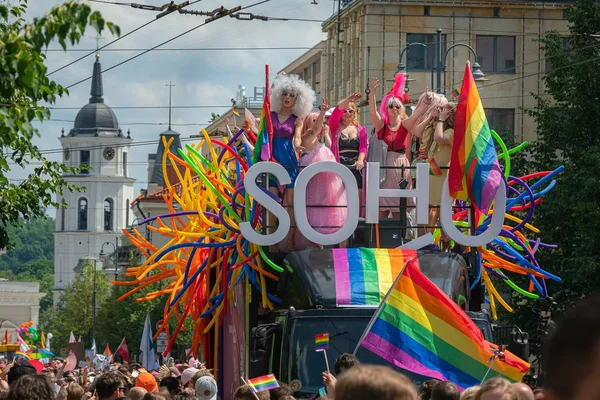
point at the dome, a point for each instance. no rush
(96, 118)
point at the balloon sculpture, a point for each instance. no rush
(512, 251)
(28, 332)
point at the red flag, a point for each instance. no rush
(123, 352)
(107, 351)
(6, 336)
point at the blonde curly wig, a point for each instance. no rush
(305, 96)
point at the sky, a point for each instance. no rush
(208, 78)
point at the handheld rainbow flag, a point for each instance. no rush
(321, 341)
(420, 329)
(262, 383)
(263, 147)
(234, 111)
(107, 351)
(21, 354)
(456, 93)
(434, 168)
(474, 174)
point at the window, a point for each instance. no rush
(496, 12)
(418, 58)
(108, 212)
(82, 215)
(62, 216)
(502, 120)
(84, 161)
(127, 213)
(124, 163)
(314, 75)
(496, 53)
(426, 10)
(305, 73)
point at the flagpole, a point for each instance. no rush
(252, 388)
(376, 313)
(489, 369)
(326, 361)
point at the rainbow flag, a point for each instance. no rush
(321, 341)
(234, 111)
(474, 174)
(263, 148)
(456, 93)
(21, 354)
(262, 383)
(419, 329)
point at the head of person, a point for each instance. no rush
(445, 391)
(572, 354)
(451, 107)
(172, 385)
(136, 393)
(350, 115)
(497, 389)
(19, 369)
(202, 372)
(289, 92)
(206, 388)
(524, 392)
(345, 362)
(374, 382)
(438, 101)
(73, 391)
(245, 393)
(174, 372)
(156, 396)
(110, 385)
(280, 392)
(391, 108)
(32, 387)
(426, 389)
(147, 381)
(187, 375)
(309, 120)
(469, 393)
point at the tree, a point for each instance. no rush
(24, 85)
(567, 131)
(74, 312)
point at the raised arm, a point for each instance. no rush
(438, 134)
(420, 127)
(345, 103)
(318, 125)
(376, 119)
(411, 121)
(298, 135)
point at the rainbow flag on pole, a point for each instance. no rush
(234, 111)
(262, 383)
(474, 174)
(418, 328)
(321, 341)
(263, 148)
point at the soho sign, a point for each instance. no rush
(373, 194)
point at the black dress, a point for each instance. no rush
(349, 156)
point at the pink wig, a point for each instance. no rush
(396, 92)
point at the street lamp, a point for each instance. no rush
(478, 74)
(402, 67)
(116, 255)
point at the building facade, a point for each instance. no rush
(19, 303)
(367, 37)
(97, 214)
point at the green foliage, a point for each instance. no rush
(24, 84)
(567, 129)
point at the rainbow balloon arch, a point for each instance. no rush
(206, 255)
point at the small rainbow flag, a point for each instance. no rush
(237, 114)
(262, 383)
(474, 174)
(456, 93)
(263, 147)
(21, 354)
(434, 168)
(420, 329)
(321, 341)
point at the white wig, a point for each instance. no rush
(305, 96)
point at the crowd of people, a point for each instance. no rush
(302, 137)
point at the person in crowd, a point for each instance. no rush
(291, 101)
(186, 377)
(343, 363)
(110, 386)
(349, 138)
(156, 396)
(469, 393)
(174, 372)
(136, 393)
(524, 392)
(326, 196)
(238, 143)
(281, 392)
(445, 391)
(374, 382)
(206, 388)
(497, 389)
(72, 391)
(18, 369)
(146, 381)
(32, 387)
(170, 384)
(394, 132)
(572, 354)
(426, 389)
(202, 372)
(245, 393)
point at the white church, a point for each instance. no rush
(95, 216)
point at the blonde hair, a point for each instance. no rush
(498, 384)
(305, 96)
(470, 393)
(355, 120)
(374, 382)
(438, 100)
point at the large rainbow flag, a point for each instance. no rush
(263, 148)
(418, 328)
(474, 174)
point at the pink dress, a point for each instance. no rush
(323, 191)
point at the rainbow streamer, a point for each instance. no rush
(474, 170)
(262, 383)
(321, 341)
(418, 328)
(263, 148)
(21, 354)
(237, 114)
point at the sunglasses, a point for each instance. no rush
(397, 107)
(291, 95)
(349, 111)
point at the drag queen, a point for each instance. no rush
(326, 196)
(291, 101)
(394, 132)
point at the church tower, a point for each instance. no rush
(97, 214)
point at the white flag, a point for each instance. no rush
(79, 341)
(23, 346)
(72, 338)
(94, 346)
(147, 346)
